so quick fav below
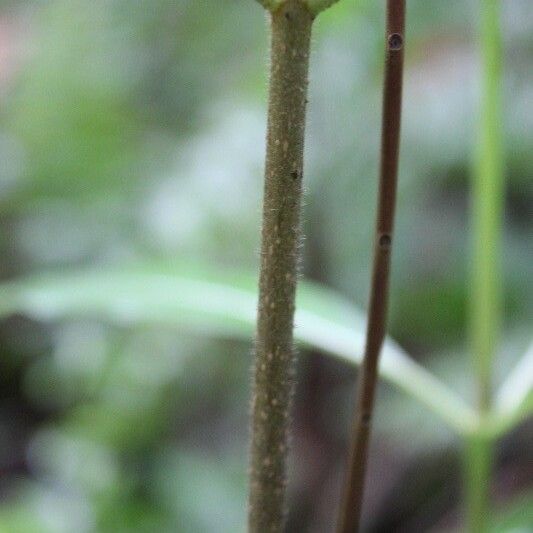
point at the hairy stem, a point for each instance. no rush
(273, 376)
(392, 101)
(487, 215)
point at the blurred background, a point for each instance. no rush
(132, 137)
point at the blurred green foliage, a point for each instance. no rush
(133, 131)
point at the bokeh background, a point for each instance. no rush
(132, 136)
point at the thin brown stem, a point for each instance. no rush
(392, 101)
(274, 359)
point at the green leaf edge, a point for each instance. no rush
(224, 304)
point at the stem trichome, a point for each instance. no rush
(291, 22)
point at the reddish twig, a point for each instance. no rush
(392, 101)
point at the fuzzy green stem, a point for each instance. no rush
(487, 216)
(273, 377)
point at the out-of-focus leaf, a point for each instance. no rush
(316, 6)
(221, 304)
(517, 516)
(514, 400)
(37, 508)
(183, 478)
(16, 519)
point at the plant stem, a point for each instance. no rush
(488, 197)
(392, 102)
(477, 468)
(487, 207)
(273, 376)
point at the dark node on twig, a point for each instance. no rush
(395, 41)
(385, 241)
(377, 319)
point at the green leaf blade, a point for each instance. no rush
(224, 304)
